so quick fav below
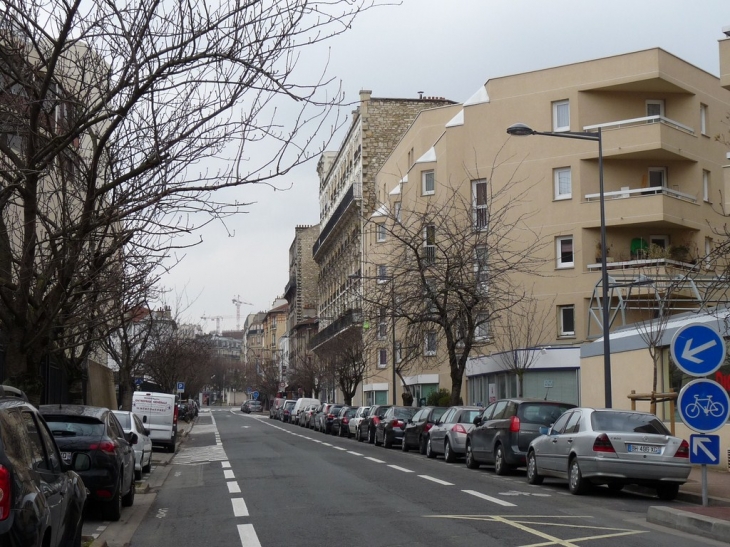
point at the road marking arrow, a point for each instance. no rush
(689, 354)
(699, 442)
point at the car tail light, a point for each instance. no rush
(105, 446)
(399, 423)
(331, 416)
(603, 444)
(104, 493)
(174, 416)
(683, 450)
(514, 424)
(458, 428)
(426, 427)
(5, 492)
(376, 420)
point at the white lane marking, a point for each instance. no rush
(228, 474)
(489, 498)
(376, 460)
(339, 448)
(248, 536)
(239, 507)
(354, 453)
(326, 444)
(226, 465)
(233, 487)
(400, 468)
(437, 481)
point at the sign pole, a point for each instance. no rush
(705, 501)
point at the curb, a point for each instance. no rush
(98, 542)
(692, 523)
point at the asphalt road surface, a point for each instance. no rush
(250, 481)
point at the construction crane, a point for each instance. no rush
(237, 302)
(217, 319)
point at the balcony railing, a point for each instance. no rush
(644, 263)
(349, 318)
(621, 124)
(353, 192)
(627, 193)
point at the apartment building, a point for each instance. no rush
(347, 196)
(664, 183)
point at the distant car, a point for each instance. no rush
(320, 415)
(390, 429)
(286, 410)
(42, 496)
(505, 430)
(448, 435)
(417, 428)
(96, 432)
(329, 417)
(274, 408)
(354, 424)
(588, 446)
(368, 424)
(341, 423)
(252, 406)
(131, 423)
(308, 415)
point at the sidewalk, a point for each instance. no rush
(711, 522)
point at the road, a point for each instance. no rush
(247, 480)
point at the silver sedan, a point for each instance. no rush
(448, 434)
(131, 423)
(588, 446)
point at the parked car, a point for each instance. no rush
(329, 417)
(301, 404)
(286, 410)
(275, 406)
(588, 446)
(251, 406)
(368, 424)
(131, 423)
(159, 413)
(354, 424)
(307, 415)
(505, 430)
(390, 428)
(448, 434)
(341, 422)
(95, 431)
(319, 416)
(417, 428)
(42, 496)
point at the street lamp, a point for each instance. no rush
(392, 321)
(522, 130)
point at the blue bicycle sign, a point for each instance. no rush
(703, 405)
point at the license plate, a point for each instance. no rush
(644, 449)
(66, 456)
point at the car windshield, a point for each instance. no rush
(437, 413)
(468, 416)
(289, 405)
(541, 413)
(74, 426)
(124, 419)
(627, 422)
(404, 412)
(351, 412)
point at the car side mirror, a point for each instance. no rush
(81, 462)
(147, 431)
(477, 421)
(131, 437)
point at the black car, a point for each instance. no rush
(390, 428)
(96, 432)
(505, 429)
(329, 417)
(367, 426)
(341, 423)
(41, 498)
(415, 434)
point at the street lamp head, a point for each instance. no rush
(520, 130)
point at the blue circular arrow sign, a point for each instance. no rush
(697, 349)
(703, 405)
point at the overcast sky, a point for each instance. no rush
(445, 48)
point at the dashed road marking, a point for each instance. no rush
(233, 487)
(376, 460)
(398, 468)
(489, 498)
(248, 536)
(339, 448)
(228, 474)
(239, 507)
(354, 453)
(226, 465)
(437, 481)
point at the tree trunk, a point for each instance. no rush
(457, 378)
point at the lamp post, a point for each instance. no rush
(392, 322)
(522, 130)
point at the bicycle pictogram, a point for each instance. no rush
(706, 405)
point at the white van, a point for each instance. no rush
(159, 413)
(300, 405)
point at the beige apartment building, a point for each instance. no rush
(665, 181)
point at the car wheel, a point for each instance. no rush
(128, 498)
(471, 463)
(576, 484)
(358, 435)
(500, 466)
(113, 509)
(533, 477)
(171, 447)
(371, 436)
(138, 474)
(429, 452)
(147, 468)
(449, 456)
(667, 492)
(422, 446)
(404, 445)
(375, 440)
(387, 441)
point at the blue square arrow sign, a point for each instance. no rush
(704, 449)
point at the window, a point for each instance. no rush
(396, 209)
(563, 187)
(703, 119)
(654, 107)
(561, 115)
(382, 358)
(573, 425)
(560, 424)
(660, 241)
(566, 318)
(428, 183)
(382, 273)
(479, 200)
(564, 249)
(380, 232)
(382, 324)
(706, 185)
(481, 270)
(657, 177)
(430, 348)
(481, 328)
(429, 244)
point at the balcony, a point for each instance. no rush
(349, 318)
(663, 266)
(290, 288)
(353, 193)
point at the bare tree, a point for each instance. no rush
(117, 122)
(345, 357)
(519, 332)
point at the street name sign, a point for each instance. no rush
(698, 349)
(704, 449)
(703, 405)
